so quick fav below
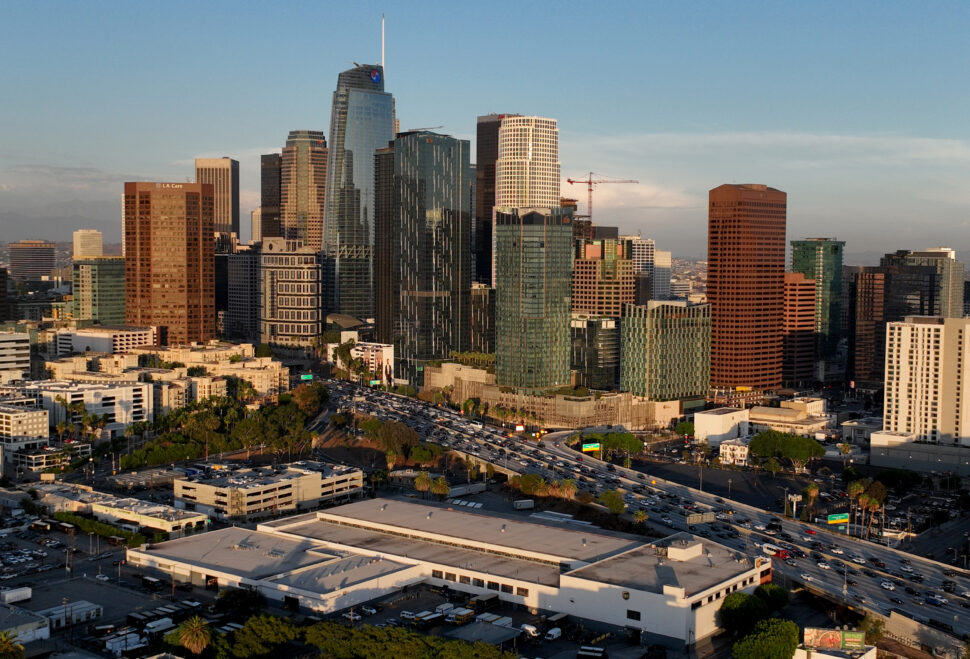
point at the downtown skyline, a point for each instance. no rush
(858, 119)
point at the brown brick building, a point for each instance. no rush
(745, 284)
(169, 260)
(798, 354)
(602, 278)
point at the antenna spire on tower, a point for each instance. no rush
(382, 41)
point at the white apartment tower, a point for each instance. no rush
(223, 174)
(927, 381)
(87, 243)
(527, 168)
(641, 253)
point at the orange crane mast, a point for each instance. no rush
(590, 182)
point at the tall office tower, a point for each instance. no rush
(422, 244)
(662, 272)
(87, 242)
(927, 379)
(4, 312)
(241, 322)
(270, 195)
(223, 174)
(642, 288)
(169, 260)
(798, 328)
(290, 294)
(746, 284)
(303, 188)
(820, 259)
(595, 350)
(30, 260)
(949, 299)
(361, 122)
(602, 278)
(482, 320)
(533, 257)
(486, 146)
(527, 167)
(874, 296)
(99, 289)
(256, 225)
(641, 251)
(666, 350)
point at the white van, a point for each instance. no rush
(553, 634)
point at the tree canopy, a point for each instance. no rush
(771, 639)
(613, 501)
(740, 612)
(796, 449)
(774, 596)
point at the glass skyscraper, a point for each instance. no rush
(821, 259)
(423, 249)
(533, 282)
(361, 122)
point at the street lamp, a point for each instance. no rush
(729, 488)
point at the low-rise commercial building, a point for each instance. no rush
(77, 498)
(122, 403)
(858, 431)
(786, 419)
(103, 339)
(668, 590)
(259, 493)
(718, 425)
(14, 353)
(36, 459)
(23, 625)
(267, 376)
(733, 452)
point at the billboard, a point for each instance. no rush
(834, 639)
(591, 447)
(839, 518)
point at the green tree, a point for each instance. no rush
(740, 612)
(640, 517)
(585, 497)
(264, 350)
(613, 501)
(10, 648)
(422, 482)
(684, 428)
(194, 634)
(261, 634)
(440, 487)
(773, 466)
(796, 449)
(239, 601)
(310, 398)
(774, 596)
(771, 639)
(873, 627)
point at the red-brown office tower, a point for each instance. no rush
(746, 285)
(798, 353)
(169, 260)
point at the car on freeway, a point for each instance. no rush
(907, 568)
(102, 577)
(810, 531)
(835, 549)
(791, 562)
(888, 585)
(857, 559)
(806, 577)
(869, 573)
(822, 565)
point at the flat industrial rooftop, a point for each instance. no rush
(585, 545)
(432, 552)
(647, 568)
(254, 554)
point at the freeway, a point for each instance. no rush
(863, 575)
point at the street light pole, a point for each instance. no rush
(729, 488)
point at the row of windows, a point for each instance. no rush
(480, 583)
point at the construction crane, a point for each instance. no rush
(590, 182)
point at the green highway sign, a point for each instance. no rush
(306, 376)
(591, 447)
(839, 518)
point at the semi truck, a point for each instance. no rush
(524, 504)
(482, 603)
(774, 550)
(13, 595)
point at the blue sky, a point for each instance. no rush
(859, 112)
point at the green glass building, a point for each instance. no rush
(533, 286)
(666, 350)
(821, 259)
(98, 284)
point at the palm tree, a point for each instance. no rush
(811, 494)
(422, 482)
(440, 487)
(9, 647)
(874, 507)
(639, 517)
(194, 634)
(567, 489)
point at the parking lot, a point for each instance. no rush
(396, 611)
